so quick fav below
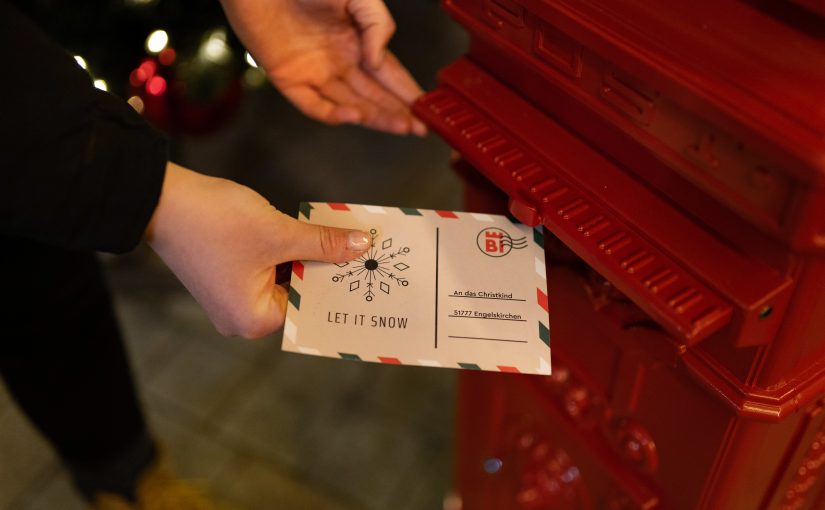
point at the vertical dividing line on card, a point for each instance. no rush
(436, 287)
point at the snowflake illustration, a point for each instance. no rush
(378, 266)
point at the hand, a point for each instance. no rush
(223, 241)
(329, 58)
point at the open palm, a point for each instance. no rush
(329, 58)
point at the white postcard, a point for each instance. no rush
(437, 288)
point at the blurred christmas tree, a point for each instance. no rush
(175, 61)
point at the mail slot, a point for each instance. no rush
(674, 154)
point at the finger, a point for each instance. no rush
(277, 311)
(372, 115)
(268, 317)
(340, 93)
(367, 86)
(306, 241)
(395, 78)
(390, 108)
(262, 316)
(313, 104)
(377, 27)
(271, 313)
(418, 127)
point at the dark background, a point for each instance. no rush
(261, 428)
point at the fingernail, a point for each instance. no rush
(358, 241)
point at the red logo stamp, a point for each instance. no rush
(495, 242)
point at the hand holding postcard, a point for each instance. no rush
(437, 288)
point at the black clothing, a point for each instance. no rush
(80, 172)
(64, 362)
(79, 168)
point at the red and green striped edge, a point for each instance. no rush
(544, 335)
(396, 361)
(305, 209)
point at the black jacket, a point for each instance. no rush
(79, 168)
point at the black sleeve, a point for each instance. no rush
(78, 167)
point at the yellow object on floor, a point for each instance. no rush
(159, 489)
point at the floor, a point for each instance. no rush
(242, 417)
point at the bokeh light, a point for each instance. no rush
(137, 103)
(250, 60)
(137, 77)
(253, 77)
(156, 85)
(149, 67)
(167, 56)
(214, 47)
(157, 41)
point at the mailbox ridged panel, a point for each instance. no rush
(676, 153)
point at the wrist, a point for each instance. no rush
(168, 201)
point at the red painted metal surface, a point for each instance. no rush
(813, 6)
(675, 153)
(719, 94)
(554, 179)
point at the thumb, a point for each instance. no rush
(326, 244)
(377, 26)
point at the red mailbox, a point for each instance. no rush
(675, 152)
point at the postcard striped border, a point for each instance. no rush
(543, 331)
